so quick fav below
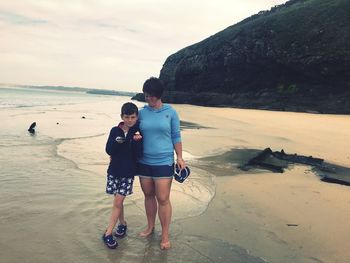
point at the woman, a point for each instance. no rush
(160, 128)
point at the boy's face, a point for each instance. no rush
(129, 120)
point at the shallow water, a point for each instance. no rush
(53, 205)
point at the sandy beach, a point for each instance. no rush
(289, 217)
(54, 208)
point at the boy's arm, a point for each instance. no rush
(137, 144)
(111, 145)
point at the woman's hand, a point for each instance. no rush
(181, 163)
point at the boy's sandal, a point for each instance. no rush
(110, 241)
(121, 230)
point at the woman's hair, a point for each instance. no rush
(129, 108)
(154, 87)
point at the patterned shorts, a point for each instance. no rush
(122, 185)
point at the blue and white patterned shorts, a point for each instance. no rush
(122, 185)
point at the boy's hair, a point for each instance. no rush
(129, 108)
(154, 87)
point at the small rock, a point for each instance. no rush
(31, 128)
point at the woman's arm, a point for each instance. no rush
(176, 138)
(179, 160)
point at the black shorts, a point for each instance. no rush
(155, 171)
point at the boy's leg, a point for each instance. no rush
(116, 211)
(121, 217)
(148, 188)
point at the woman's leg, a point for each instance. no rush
(148, 188)
(116, 210)
(163, 187)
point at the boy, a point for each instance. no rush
(124, 146)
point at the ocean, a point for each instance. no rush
(53, 204)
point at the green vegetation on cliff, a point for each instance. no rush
(295, 56)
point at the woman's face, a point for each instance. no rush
(152, 101)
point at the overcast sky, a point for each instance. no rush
(107, 44)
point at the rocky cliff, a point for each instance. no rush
(293, 57)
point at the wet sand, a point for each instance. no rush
(54, 208)
(289, 217)
(53, 203)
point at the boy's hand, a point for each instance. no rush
(137, 136)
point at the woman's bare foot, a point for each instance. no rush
(147, 232)
(165, 245)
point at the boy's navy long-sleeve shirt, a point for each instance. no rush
(124, 151)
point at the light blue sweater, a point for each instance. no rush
(160, 129)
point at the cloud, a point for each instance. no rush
(113, 44)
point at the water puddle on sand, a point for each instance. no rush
(188, 199)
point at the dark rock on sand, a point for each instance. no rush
(278, 161)
(294, 57)
(32, 128)
(139, 97)
(334, 180)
